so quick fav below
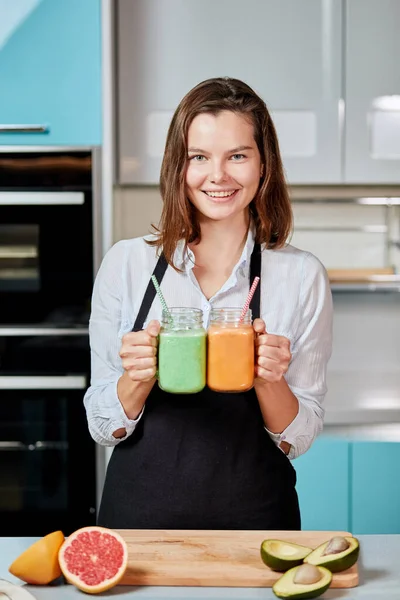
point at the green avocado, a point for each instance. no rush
(336, 560)
(281, 556)
(286, 586)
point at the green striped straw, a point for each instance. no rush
(161, 297)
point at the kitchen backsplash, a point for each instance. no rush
(134, 211)
(349, 235)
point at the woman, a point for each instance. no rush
(210, 460)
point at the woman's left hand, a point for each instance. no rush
(272, 356)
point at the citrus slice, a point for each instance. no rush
(94, 559)
(38, 564)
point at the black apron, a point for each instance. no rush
(199, 461)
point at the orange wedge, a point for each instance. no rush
(39, 563)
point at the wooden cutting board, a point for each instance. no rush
(213, 558)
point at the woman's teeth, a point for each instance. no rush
(220, 194)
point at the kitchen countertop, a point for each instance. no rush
(378, 564)
(380, 432)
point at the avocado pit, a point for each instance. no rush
(307, 574)
(336, 544)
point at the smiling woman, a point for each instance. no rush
(211, 460)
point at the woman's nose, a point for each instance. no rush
(218, 175)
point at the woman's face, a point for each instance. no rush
(224, 165)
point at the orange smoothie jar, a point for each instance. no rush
(230, 351)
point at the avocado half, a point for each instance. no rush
(335, 562)
(285, 587)
(281, 556)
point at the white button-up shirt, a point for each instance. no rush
(296, 302)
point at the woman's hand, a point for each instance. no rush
(139, 352)
(273, 355)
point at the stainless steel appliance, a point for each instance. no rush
(49, 224)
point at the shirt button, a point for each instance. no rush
(207, 307)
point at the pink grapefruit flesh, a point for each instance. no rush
(94, 559)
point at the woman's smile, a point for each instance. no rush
(221, 196)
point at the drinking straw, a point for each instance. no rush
(249, 298)
(161, 297)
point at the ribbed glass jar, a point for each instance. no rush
(230, 351)
(182, 351)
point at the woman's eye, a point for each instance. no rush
(197, 157)
(238, 156)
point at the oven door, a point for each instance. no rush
(47, 458)
(46, 238)
(46, 267)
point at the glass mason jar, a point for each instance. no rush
(182, 351)
(230, 351)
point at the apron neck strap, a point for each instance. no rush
(255, 271)
(150, 293)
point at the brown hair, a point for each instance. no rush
(271, 209)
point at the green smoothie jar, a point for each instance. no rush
(182, 351)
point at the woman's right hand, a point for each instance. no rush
(139, 352)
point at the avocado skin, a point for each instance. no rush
(302, 595)
(279, 564)
(336, 565)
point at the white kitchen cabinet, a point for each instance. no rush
(372, 92)
(290, 52)
(327, 69)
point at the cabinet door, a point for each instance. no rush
(323, 485)
(288, 51)
(375, 487)
(50, 72)
(372, 139)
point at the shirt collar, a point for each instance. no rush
(184, 258)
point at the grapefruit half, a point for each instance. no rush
(38, 564)
(94, 559)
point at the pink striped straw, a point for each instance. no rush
(249, 298)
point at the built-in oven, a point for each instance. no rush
(48, 222)
(49, 250)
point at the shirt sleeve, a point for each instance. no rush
(311, 351)
(104, 411)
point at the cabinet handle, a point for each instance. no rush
(34, 446)
(33, 331)
(66, 382)
(12, 198)
(24, 128)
